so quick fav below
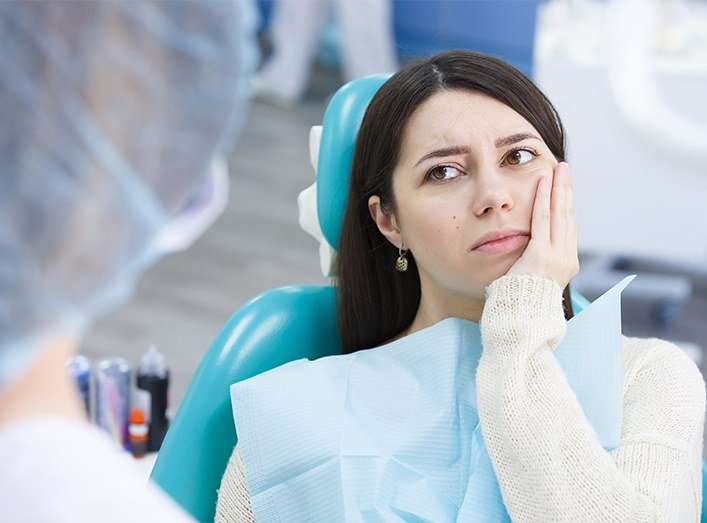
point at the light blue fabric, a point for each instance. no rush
(393, 434)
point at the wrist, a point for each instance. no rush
(523, 309)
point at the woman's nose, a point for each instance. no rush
(490, 192)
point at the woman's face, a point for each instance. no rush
(469, 165)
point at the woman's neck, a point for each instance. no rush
(437, 304)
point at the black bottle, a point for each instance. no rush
(153, 377)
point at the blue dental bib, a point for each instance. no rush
(392, 433)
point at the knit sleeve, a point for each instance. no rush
(548, 460)
(233, 504)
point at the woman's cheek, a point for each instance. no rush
(546, 167)
(438, 236)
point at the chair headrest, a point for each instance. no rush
(342, 120)
(331, 147)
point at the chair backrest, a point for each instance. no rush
(276, 327)
(279, 326)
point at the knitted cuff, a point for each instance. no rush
(523, 309)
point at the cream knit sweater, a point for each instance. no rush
(548, 460)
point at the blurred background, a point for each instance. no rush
(628, 82)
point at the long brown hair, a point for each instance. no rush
(375, 302)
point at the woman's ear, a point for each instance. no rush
(387, 224)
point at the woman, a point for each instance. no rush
(454, 151)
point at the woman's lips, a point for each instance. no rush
(507, 244)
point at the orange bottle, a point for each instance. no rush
(138, 433)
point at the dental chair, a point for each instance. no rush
(276, 327)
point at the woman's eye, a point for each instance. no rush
(516, 156)
(441, 173)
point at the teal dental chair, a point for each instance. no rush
(278, 326)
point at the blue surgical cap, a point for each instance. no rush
(110, 115)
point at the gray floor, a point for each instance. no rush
(181, 303)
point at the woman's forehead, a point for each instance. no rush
(459, 117)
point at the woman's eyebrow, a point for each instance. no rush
(515, 138)
(456, 150)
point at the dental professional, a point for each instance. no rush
(111, 116)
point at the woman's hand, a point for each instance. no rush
(552, 249)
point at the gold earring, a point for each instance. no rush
(401, 265)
